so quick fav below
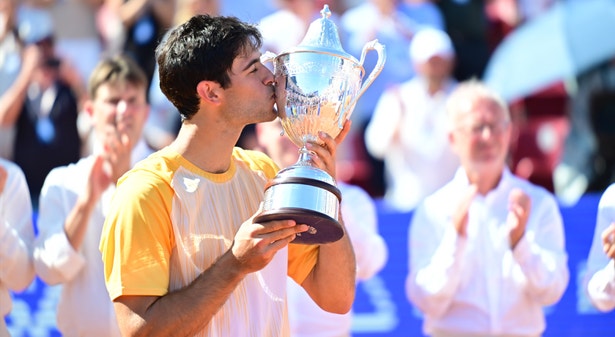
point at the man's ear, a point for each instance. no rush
(210, 91)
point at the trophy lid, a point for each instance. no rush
(322, 37)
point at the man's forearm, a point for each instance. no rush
(331, 284)
(184, 312)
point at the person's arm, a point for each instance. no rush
(435, 258)
(331, 283)
(55, 259)
(16, 230)
(541, 253)
(11, 101)
(601, 287)
(187, 311)
(437, 246)
(599, 280)
(57, 256)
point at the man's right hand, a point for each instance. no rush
(460, 217)
(255, 244)
(99, 180)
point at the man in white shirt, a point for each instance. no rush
(487, 249)
(75, 198)
(600, 279)
(16, 236)
(409, 130)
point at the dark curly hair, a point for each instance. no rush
(200, 49)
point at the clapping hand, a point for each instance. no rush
(111, 164)
(518, 213)
(460, 217)
(608, 241)
(117, 152)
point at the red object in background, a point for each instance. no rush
(541, 125)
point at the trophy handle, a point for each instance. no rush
(379, 48)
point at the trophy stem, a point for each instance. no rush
(304, 157)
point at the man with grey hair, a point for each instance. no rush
(487, 249)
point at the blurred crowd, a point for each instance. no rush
(49, 48)
(400, 147)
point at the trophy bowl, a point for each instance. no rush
(317, 86)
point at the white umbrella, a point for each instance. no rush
(568, 39)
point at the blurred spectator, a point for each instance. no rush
(600, 277)
(467, 24)
(391, 25)
(75, 198)
(588, 160)
(16, 66)
(145, 23)
(22, 33)
(46, 134)
(382, 20)
(16, 236)
(486, 250)
(409, 129)
(360, 220)
(77, 38)
(164, 120)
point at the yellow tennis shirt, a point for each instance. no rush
(169, 221)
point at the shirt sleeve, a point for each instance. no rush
(541, 253)
(436, 261)
(381, 130)
(600, 277)
(55, 259)
(301, 260)
(137, 237)
(16, 230)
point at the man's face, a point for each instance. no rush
(121, 107)
(250, 97)
(481, 136)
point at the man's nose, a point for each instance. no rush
(270, 78)
(486, 131)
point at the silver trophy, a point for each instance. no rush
(317, 87)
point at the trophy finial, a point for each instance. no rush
(322, 36)
(325, 12)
